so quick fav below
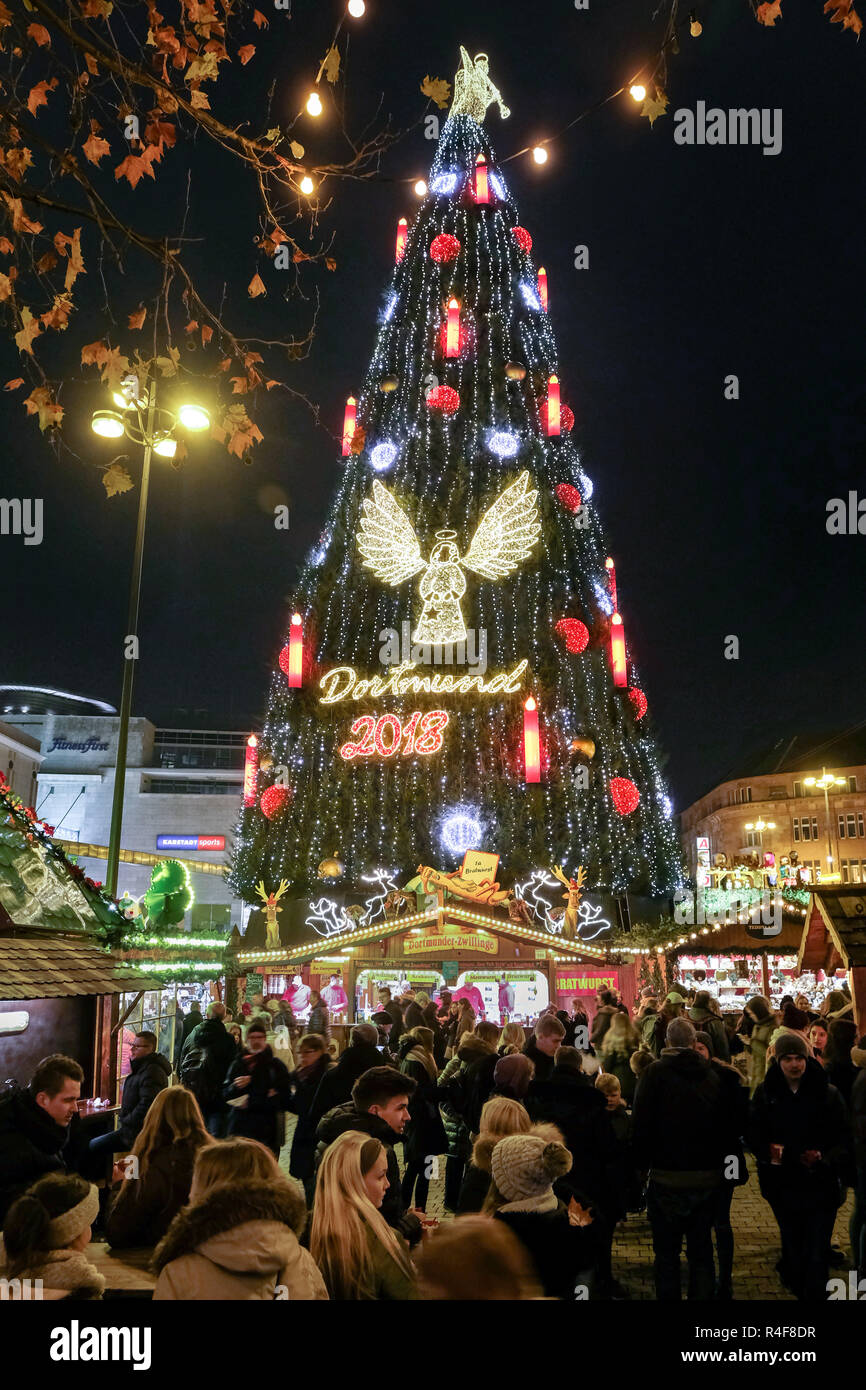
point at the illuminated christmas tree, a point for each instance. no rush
(461, 597)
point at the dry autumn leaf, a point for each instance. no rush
(93, 354)
(296, 149)
(768, 13)
(206, 334)
(39, 95)
(6, 285)
(40, 403)
(256, 287)
(20, 223)
(438, 90)
(133, 168)
(39, 34)
(95, 148)
(57, 316)
(248, 51)
(6, 246)
(330, 263)
(259, 20)
(331, 64)
(654, 107)
(13, 385)
(116, 480)
(29, 330)
(136, 320)
(76, 260)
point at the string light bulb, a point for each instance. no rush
(637, 91)
(539, 154)
(420, 188)
(314, 104)
(307, 185)
(356, 8)
(695, 26)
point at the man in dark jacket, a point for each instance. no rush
(543, 1045)
(706, 1021)
(257, 1088)
(148, 1075)
(37, 1127)
(380, 1108)
(801, 1140)
(391, 1007)
(336, 1085)
(684, 1134)
(206, 1074)
(413, 1014)
(183, 1028)
(607, 1007)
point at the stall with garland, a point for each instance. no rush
(833, 942)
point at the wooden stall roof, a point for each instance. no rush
(734, 939)
(835, 929)
(50, 968)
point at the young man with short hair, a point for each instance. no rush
(544, 1044)
(148, 1075)
(36, 1126)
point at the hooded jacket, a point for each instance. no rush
(31, 1145)
(335, 1087)
(481, 1059)
(425, 1132)
(813, 1117)
(345, 1117)
(217, 1041)
(708, 1022)
(453, 1097)
(684, 1122)
(601, 1023)
(147, 1077)
(240, 1242)
(756, 1045)
(571, 1102)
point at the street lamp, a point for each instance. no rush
(761, 825)
(825, 782)
(137, 417)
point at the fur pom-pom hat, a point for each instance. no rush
(525, 1165)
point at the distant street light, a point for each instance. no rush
(825, 782)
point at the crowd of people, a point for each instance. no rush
(549, 1139)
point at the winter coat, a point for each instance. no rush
(69, 1270)
(395, 1013)
(601, 1023)
(685, 1120)
(31, 1145)
(571, 1102)
(425, 1132)
(478, 1175)
(217, 1041)
(336, 1085)
(240, 1242)
(453, 1096)
(858, 1109)
(319, 1020)
(302, 1161)
(145, 1207)
(345, 1117)
(147, 1077)
(479, 1082)
(543, 1063)
(707, 1022)
(812, 1118)
(414, 1016)
(559, 1250)
(190, 1021)
(616, 1063)
(756, 1045)
(258, 1119)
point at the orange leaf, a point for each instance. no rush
(39, 34)
(58, 315)
(251, 357)
(247, 52)
(240, 385)
(92, 65)
(136, 320)
(191, 326)
(359, 439)
(206, 334)
(95, 148)
(76, 260)
(259, 20)
(768, 13)
(46, 262)
(853, 21)
(13, 385)
(40, 403)
(93, 354)
(132, 169)
(116, 480)
(6, 284)
(20, 223)
(224, 365)
(256, 287)
(6, 246)
(29, 330)
(39, 95)
(330, 263)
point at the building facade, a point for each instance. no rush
(805, 798)
(20, 757)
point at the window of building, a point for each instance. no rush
(744, 794)
(860, 824)
(805, 827)
(852, 825)
(798, 788)
(852, 784)
(753, 838)
(207, 918)
(177, 786)
(777, 793)
(796, 827)
(841, 824)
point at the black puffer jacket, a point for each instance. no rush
(302, 1163)
(559, 1250)
(570, 1101)
(31, 1145)
(147, 1077)
(683, 1122)
(453, 1096)
(335, 1088)
(346, 1117)
(221, 1048)
(812, 1118)
(258, 1119)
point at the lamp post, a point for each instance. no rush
(825, 782)
(138, 417)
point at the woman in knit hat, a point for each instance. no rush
(559, 1238)
(47, 1231)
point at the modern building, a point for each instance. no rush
(182, 792)
(806, 796)
(19, 761)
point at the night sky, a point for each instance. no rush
(704, 261)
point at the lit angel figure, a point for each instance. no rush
(390, 548)
(473, 90)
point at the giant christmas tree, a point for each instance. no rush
(460, 593)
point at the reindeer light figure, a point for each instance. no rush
(574, 888)
(270, 900)
(327, 918)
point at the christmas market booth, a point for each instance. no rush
(58, 982)
(833, 943)
(508, 956)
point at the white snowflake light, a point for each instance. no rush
(530, 295)
(383, 455)
(504, 443)
(444, 183)
(461, 829)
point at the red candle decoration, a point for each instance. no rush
(552, 412)
(402, 238)
(626, 797)
(611, 579)
(574, 634)
(296, 653)
(639, 702)
(444, 248)
(568, 496)
(531, 746)
(542, 287)
(444, 398)
(348, 426)
(482, 184)
(251, 768)
(452, 329)
(617, 651)
(522, 237)
(275, 800)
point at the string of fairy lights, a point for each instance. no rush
(445, 469)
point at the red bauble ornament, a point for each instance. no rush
(566, 419)
(445, 247)
(626, 796)
(574, 633)
(444, 398)
(568, 496)
(639, 702)
(275, 800)
(284, 658)
(522, 237)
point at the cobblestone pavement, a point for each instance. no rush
(755, 1233)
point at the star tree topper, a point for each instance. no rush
(390, 548)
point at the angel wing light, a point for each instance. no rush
(389, 547)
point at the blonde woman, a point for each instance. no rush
(617, 1046)
(238, 1238)
(360, 1256)
(158, 1173)
(500, 1116)
(512, 1039)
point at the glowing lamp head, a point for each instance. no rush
(314, 104)
(539, 154)
(306, 185)
(166, 448)
(106, 423)
(420, 188)
(356, 8)
(193, 417)
(637, 92)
